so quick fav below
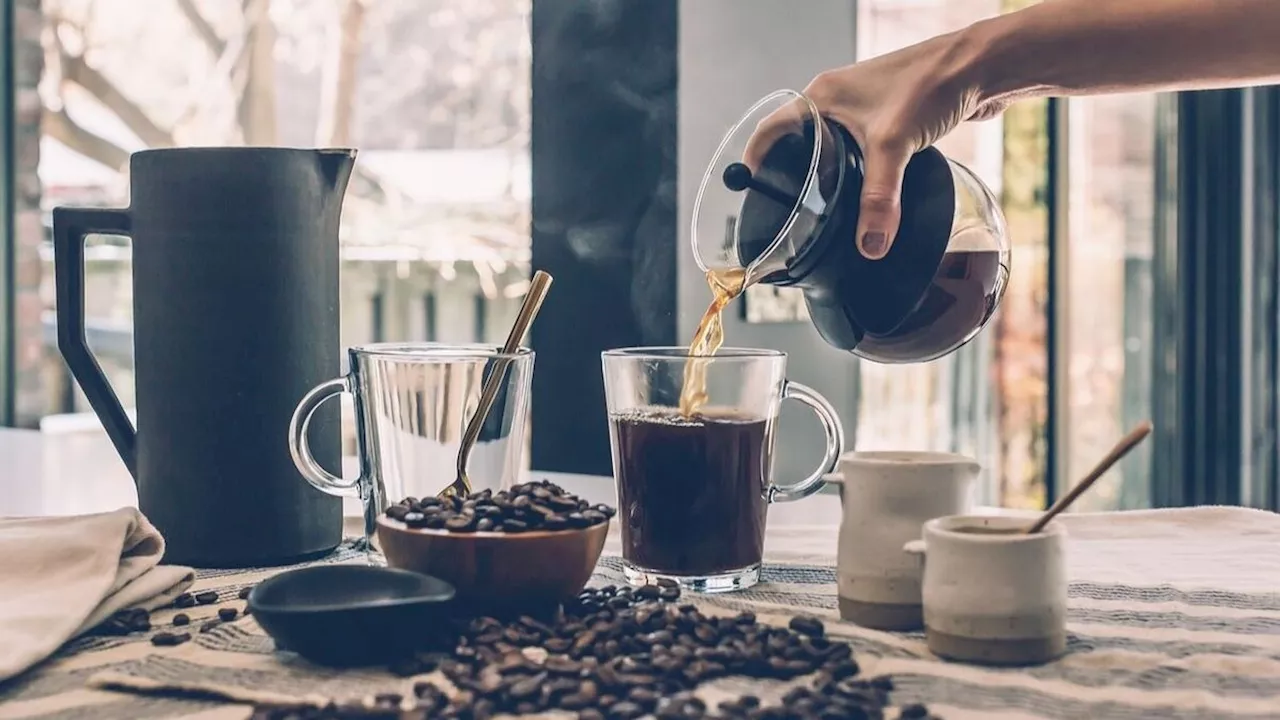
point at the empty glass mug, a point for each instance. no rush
(412, 405)
(694, 483)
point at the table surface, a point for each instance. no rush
(1171, 614)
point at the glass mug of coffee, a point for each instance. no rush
(413, 402)
(693, 443)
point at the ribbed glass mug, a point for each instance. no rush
(413, 402)
(694, 485)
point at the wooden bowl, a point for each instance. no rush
(497, 572)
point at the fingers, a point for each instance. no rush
(881, 210)
(786, 119)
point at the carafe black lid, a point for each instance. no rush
(879, 294)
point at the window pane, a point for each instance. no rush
(435, 93)
(1110, 243)
(989, 398)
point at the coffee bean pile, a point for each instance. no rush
(528, 506)
(620, 654)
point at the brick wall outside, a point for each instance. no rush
(30, 399)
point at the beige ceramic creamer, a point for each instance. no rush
(887, 497)
(993, 594)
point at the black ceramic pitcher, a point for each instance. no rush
(235, 311)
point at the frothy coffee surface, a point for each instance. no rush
(691, 489)
(988, 530)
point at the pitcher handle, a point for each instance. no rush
(300, 449)
(835, 443)
(70, 226)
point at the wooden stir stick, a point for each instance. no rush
(1122, 448)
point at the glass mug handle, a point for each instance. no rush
(306, 463)
(835, 443)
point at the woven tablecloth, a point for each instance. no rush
(1173, 614)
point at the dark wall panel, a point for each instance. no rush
(603, 148)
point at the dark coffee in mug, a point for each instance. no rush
(691, 490)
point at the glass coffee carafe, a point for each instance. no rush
(779, 204)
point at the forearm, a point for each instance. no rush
(1083, 47)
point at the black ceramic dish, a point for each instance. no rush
(345, 615)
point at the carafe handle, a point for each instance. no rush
(835, 444)
(70, 226)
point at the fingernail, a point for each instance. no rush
(874, 243)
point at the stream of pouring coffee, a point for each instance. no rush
(725, 286)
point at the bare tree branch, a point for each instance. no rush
(202, 27)
(232, 64)
(58, 125)
(76, 70)
(256, 106)
(338, 78)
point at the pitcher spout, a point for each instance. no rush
(336, 165)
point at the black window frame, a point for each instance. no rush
(430, 329)
(1215, 375)
(480, 317)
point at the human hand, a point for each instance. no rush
(894, 105)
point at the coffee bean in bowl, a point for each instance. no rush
(532, 546)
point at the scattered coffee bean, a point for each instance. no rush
(528, 506)
(185, 600)
(915, 711)
(333, 711)
(210, 625)
(622, 653)
(244, 592)
(806, 625)
(166, 639)
(843, 670)
(181, 619)
(207, 597)
(625, 710)
(227, 614)
(125, 622)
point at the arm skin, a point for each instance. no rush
(904, 101)
(1085, 47)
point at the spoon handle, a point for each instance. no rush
(1122, 448)
(538, 287)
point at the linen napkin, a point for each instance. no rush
(61, 576)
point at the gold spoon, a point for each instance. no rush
(1122, 448)
(538, 287)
